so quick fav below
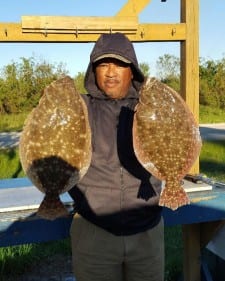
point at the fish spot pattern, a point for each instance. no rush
(55, 145)
(166, 139)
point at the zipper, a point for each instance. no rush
(121, 198)
(121, 178)
(122, 188)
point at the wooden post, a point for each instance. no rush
(132, 7)
(190, 60)
(190, 92)
(192, 252)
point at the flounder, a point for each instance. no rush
(166, 139)
(55, 144)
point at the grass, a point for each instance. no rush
(21, 257)
(12, 122)
(173, 253)
(212, 159)
(10, 158)
(211, 115)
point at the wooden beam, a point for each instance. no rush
(78, 25)
(133, 7)
(12, 32)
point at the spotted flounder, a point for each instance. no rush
(166, 139)
(55, 144)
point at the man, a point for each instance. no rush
(118, 232)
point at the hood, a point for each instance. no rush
(121, 46)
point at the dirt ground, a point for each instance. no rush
(55, 268)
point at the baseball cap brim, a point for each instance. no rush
(115, 56)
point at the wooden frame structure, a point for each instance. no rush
(47, 29)
(87, 29)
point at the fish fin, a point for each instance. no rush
(173, 199)
(52, 208)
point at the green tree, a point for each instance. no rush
(208, 94)
(220, 82)
(79, 82)
(168, 67)
(22, 83)
(145, 68)
(9, 89)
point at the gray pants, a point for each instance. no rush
(101, 256)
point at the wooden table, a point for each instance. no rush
(19, 201)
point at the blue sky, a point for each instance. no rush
(76, 56)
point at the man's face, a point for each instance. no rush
(113, 77)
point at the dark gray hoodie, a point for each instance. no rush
(116, 193)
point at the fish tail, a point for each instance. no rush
(51, 208)
(173, 198)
